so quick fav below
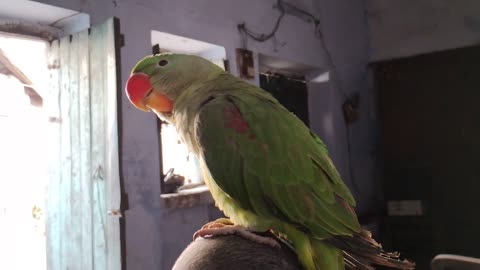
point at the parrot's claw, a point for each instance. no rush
(218, 223)
(226, 227)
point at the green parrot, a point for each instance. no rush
(265, 169)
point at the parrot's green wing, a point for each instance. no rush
(268, 161)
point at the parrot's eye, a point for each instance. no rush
(162, 62)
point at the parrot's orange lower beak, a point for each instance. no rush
(142, 95)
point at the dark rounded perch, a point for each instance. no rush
(233, 252)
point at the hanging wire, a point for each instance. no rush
(336, 85)
(261, 37)
(285, 8)
(300, 13)
(330, 62)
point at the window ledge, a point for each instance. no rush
(188, 198)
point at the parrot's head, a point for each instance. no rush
(158, 80)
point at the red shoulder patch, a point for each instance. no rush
(235, 121)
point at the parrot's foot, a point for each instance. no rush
(224, 226)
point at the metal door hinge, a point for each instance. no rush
(115, 212)
(121, 40)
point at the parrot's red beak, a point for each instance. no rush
(142, 95)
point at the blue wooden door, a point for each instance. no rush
(83, 197)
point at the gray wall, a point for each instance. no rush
(155, 235)
(346, 37)
(401, 28)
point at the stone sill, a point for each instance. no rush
(188, 198)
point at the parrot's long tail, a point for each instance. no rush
(362, 252)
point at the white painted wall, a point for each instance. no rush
(154, 235)
(408, 27)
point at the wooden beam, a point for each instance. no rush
(10, 68)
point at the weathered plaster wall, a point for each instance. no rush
(407, 27)
(155, 235)
(346, 37)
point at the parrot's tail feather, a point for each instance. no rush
(361, 251)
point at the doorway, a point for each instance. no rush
(61, 157)
(23, 173)
(429, 116)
